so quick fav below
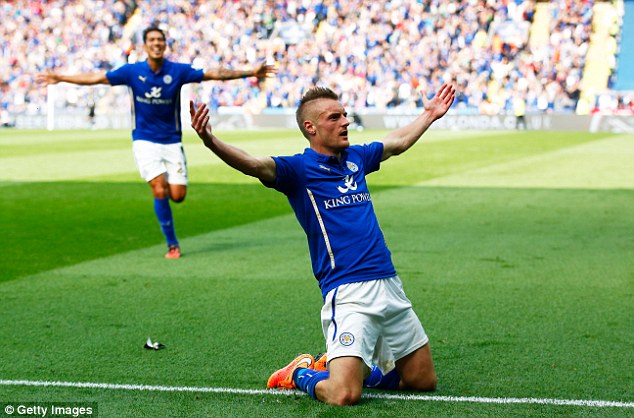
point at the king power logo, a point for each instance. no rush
(347, 199)
(153, 97)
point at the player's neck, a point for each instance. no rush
(155, 63)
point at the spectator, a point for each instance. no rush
(374, 54)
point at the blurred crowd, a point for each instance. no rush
(379, 53)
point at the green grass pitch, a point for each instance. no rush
(516, 249)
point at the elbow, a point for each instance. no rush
(251, 168)
(395, 145)
(398, 149)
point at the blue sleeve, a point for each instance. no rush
(372, 154)
(198, 76)
(286, 175)
(191, 75)
(118, 76)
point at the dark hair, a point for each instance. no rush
(310, 95)
(153, 29)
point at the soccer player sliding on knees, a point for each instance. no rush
(373, 336)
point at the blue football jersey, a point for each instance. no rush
(156, 107)
(332, 203)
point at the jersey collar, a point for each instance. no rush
(160, 71)
(322, 158)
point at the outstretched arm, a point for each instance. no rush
(262, 71)
(87, 79)
(262, 168)
(402, 139)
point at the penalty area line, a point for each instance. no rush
(403, 397)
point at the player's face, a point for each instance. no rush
(331, 127)
(155, 45)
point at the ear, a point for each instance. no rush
(309, 127)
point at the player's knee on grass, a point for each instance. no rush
(419, 379)
(422, 383)
(417, 371)
(345, 383)
(345, 398)
(341, 395)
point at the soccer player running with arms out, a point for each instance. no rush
(155, 85)
(367, 320)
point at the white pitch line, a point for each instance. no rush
(477, 399)
(404, 397)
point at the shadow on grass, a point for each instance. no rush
(51, 225)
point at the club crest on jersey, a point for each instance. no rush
(346, 339)
(352, 166)
(167, 79)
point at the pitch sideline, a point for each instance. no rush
(404, 397)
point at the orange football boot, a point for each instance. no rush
(283, 378)
(321, 363)
(174, 252)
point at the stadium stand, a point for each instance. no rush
(375, 54)
(601, 55)
(624, 79)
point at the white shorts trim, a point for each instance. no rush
(154, 159)
(373, 320)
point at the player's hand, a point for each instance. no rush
(441, 102)
(200, 121)
(265, 70)
(47, 78)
